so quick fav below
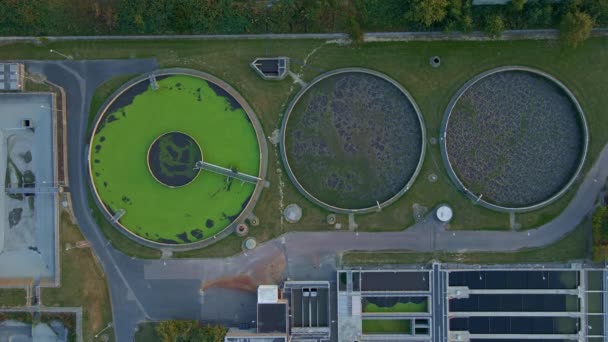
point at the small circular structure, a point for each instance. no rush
(254, 220)
(515, 139)
(249, 243)
(171, 157)
(242, 229)
(432, 178)
(435, 61)
(353, 141)
(292, 213)
(433, 140)
(444, 213)
(331, 219)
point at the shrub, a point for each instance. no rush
(354, 31)
(428, 12)
(190, 331)
(518, 5)
(575, 28)
(495, 26)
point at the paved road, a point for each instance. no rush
(161, 289)
(80, 79)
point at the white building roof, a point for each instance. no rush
(268, 294)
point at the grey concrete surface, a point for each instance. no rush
(27, 240)
(163, 289)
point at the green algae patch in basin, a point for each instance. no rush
(184, 206)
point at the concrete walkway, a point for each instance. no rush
(368, 37)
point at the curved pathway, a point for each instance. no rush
(162, 289)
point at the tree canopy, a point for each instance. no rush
(113, 17)
(575, 28)
(189, 331)
(429, 12)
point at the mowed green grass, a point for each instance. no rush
(387, 326)
(155, 211)
(399, 307)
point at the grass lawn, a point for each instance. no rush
(116, 238)
(102, 93)
(583, 70)
(12, 297)
(82, 283)
(398, 307)
(574, 246)
(387, 326)
(155, 211)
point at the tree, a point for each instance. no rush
(575, 28)
(467, 23)
(208, 333)
(190, 331)
(171, 331)
(354, 31)
(495, 26)
(428, 12)
(518, 5)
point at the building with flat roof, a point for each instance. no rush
(298, 312)
(271, 68)
(11, 76)
(309, 309)
(28, 204)
(474, 303)
(383, 305)
(235, 337)
(532, 304)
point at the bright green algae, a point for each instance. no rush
(174, 215)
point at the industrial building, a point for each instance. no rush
(271, 68)
(11, 76)
(448, 302)
(28, 162)
(299, 311)
(533, 304)
(381, 305)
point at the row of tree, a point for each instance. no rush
(90, 17)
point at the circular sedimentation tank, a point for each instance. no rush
(353, 140)
(144, 148)
(514, 139)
